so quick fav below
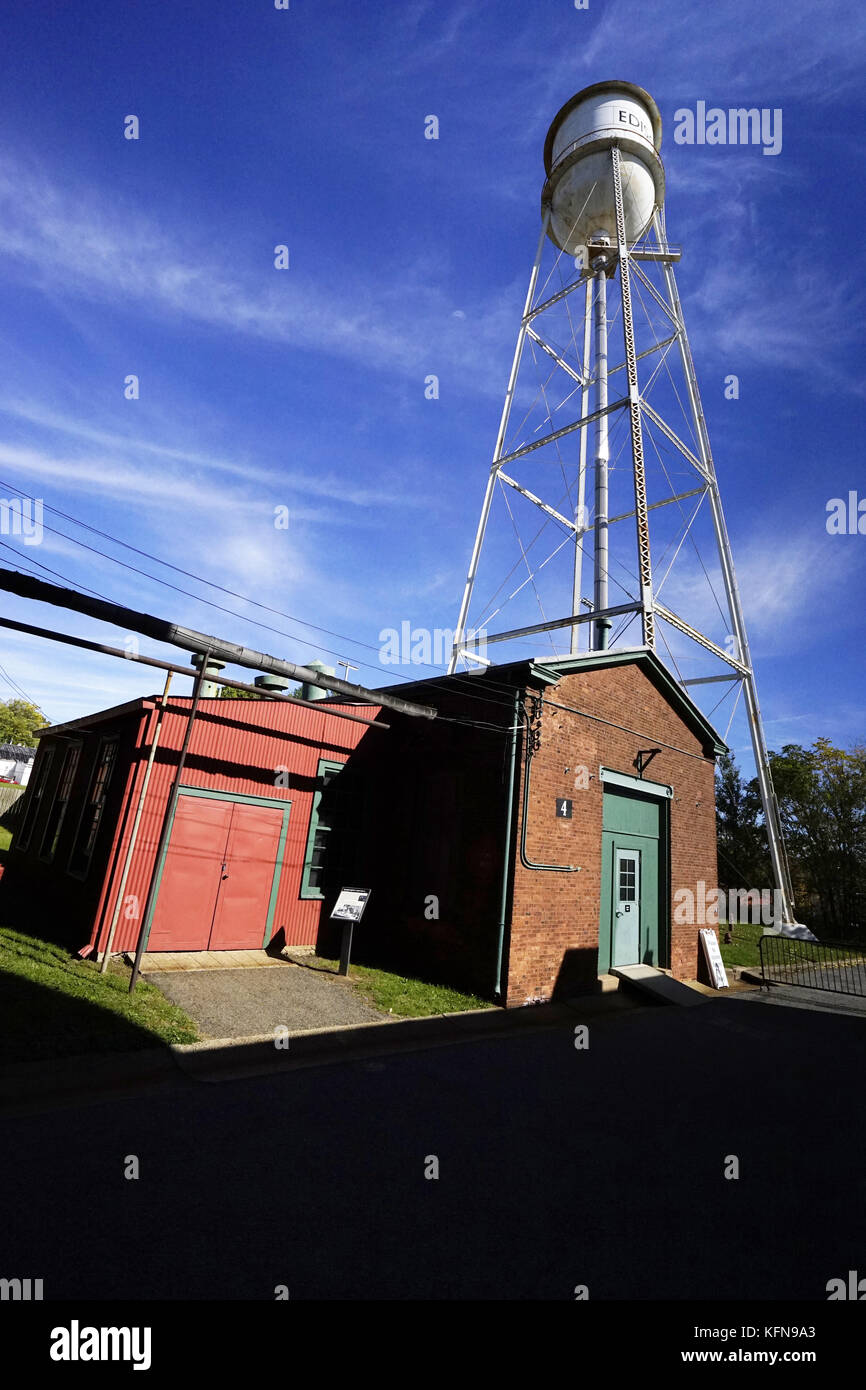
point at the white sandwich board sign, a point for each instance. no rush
(713, 957)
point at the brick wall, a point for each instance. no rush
(555, 915)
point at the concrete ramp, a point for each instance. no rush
(659, 987)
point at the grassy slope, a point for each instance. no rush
(54, 1005)
(399, 995)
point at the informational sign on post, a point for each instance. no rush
(350, 905)
(713, 957)
(349, 909)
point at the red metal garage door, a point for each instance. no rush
(218, 875)
(245, 886)
(191, 877)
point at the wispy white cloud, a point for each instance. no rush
(771, 565)
(723, 49)
(778, 321)
(125, 447)
(72, 242)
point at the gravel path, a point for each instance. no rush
(239, 1003)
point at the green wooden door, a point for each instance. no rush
(632, 858)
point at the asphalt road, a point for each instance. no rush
(557, 1167)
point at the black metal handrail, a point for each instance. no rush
(838, 967)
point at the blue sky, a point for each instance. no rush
(304, 388)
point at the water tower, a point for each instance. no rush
(603, 360)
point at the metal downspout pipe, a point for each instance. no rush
(524, 858)
(506, 851)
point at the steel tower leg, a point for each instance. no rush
(775, 837)
(581, 477)
(645, 573)
(602, 455)
(460, 633)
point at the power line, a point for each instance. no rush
(199, 598)
(189, 574)
(15, 687)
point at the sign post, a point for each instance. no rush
(349, 909)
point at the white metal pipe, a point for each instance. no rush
(581, 477)
(602, 457)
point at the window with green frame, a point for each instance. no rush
(330, 825)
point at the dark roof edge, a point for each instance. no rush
(541, 673)
(661, 678)
(149, 702)
(84, 722)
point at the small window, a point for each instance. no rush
(627, 871)
(57, 816)
(330, 827)
(35, 798)
(91, 815)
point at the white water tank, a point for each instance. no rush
(577, 161)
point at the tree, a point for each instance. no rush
(821, 792)
(822, 803)
(19, 720)
(228, 692)
(742, 840)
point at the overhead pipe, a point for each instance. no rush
(160, 630)
(255, 689)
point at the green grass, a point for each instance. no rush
(5, 839)
(54, 1005)
(744, 950)
(400, 995)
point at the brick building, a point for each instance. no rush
(520, 844)
(534, 834)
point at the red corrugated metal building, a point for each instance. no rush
(258, 804)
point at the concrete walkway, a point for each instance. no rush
(157, 961)
(241, 1002)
